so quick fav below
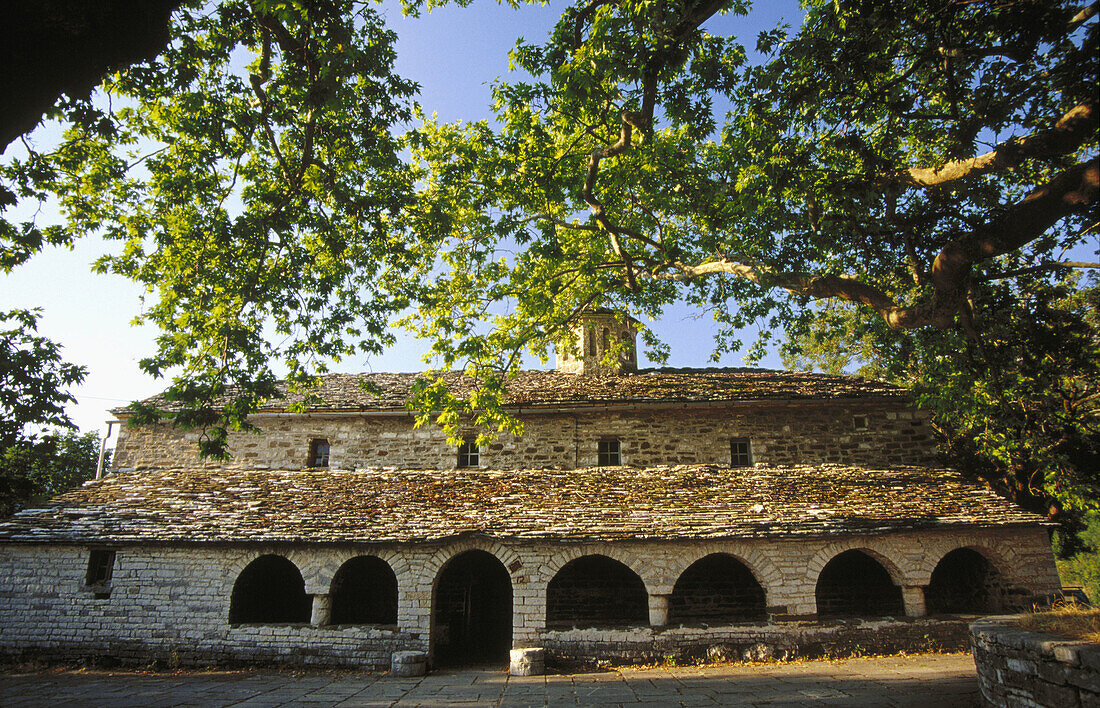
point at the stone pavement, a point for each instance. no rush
(922, 680)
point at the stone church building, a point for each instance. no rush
(642, 513)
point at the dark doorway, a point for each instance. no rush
(364, 591)
(270, 590)
(717, 589)
(964, 581)
(596, 591)
(472, 621)
(854, 584)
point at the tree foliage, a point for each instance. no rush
(1018, 404)
(1082, 567)
(252, 176)
(849, 165)
(33, 378)
(36, 469)
(33, 393)
(919, 165)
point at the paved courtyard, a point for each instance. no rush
(923, 680)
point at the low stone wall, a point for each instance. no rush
(780, 641)
(1019, 668)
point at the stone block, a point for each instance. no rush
(1084, 678)
(530, 661)
(404, 664)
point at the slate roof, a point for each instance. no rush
(230, 505)
(342, 392)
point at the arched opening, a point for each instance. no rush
(717, 589)
(472, 620)
(605, 340)
(590, 341)
(964, 581)
(364, 591)
(596, 591)
(856, 585)
(270, 589)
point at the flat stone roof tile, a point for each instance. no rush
(338, 392)
(232, 505)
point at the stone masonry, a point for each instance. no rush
(1020, 668)
(809, 432)
(172, 601)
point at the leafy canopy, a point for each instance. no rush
(252, 176)
(34, 383)
(48, 465)
(909, 175)
(891, 156)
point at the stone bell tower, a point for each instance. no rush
(592, 335)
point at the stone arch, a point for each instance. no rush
(717, 589)
(769, 576)
(472, 609)
(653, 578)
(965, 581)
(596, 590)
(855, 583)
(304, 561)
(900, 571)
(364, 591)
(1002, 555)
(321, 568)
(269, 590)
(427, 574)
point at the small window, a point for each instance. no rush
(740, 452)
(590, 340)
(860, 422)
(318, 453)
(605, 340)
(609, 453)
(101, 564)
(469, 454)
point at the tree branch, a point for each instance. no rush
(1074, 128)
(1066, 193)
(1055, 265)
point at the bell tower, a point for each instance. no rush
(600, 342)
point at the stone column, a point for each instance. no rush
(913, 597)
(658, 610)
(322, 610)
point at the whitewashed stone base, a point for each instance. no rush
(527, 662)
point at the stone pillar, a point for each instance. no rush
(322, 610)
(913, 597)
(658, 610)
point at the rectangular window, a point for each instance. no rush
(101, 564)
(860, 422)
(740, 452)
(469, 454)
(318, 453)
(609, 453)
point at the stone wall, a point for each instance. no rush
(1018, 668)
(172, 603)
(806, 432)
(781, 641)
